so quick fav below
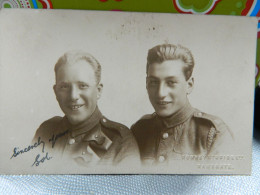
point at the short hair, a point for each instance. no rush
(73, 57)
(164, 52)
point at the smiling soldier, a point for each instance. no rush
(176, 128)
(84, 135)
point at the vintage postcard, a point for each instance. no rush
(93, 92)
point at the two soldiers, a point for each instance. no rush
(86, 137)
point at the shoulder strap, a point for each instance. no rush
(120, 128)
(218, 126)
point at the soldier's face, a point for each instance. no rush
(77, 91)
(167, 87)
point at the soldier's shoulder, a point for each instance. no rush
(48, 126)
(147, 117)
(212, 120)
(52, 121)
(218, 135)
(212, 128)
(118, 127)
(143, 122)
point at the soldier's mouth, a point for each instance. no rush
(76, 107)
(163, 102)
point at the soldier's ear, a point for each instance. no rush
(146, 82)
(190, 84)
(55, 90)
(100, 89)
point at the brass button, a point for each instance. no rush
(71, 141)
(96, 136)
(104, 120)
(161, 158)
(83, 153)
(165, 135)
(199, 114)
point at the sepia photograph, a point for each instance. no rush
(98, 92)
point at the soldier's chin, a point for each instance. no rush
(163, 113)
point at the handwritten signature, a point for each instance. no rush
(17, 151)
(38, 159)
(54, 138)
(42, 160)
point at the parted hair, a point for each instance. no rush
(164, 52)
(72, 57)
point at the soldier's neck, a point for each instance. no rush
(86, 125)
(179, 117)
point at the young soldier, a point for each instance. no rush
(176, 128)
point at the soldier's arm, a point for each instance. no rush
(222, 141)
(124, 146)
(129, 152)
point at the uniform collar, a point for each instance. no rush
(179, 117)
(85, 126)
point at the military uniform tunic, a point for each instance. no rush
(97, 141)
(187, 132)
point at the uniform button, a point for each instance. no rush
(165, 135)
(199, 114)
(161, 158)
(104, 120)
(71, 141)
(96, 136)
(83, 153)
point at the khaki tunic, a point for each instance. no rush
(187, 132)
(98, 141)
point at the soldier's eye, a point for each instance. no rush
(83, 86)
(153, 82)
(171, 83)
(64, 86)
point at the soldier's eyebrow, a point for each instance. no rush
(167, 78)
(62, 82)
(82, 82)
(172, 77)
(151, 77)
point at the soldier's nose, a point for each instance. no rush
(162, 91)
(74, 94)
